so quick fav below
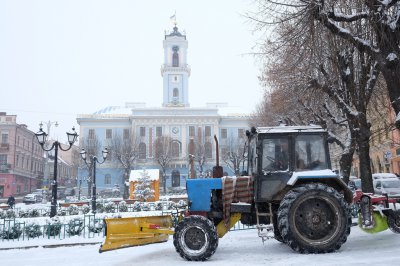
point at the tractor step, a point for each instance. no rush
(240, 207)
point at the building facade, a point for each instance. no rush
(21, 158)
(189, 130)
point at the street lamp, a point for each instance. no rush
(46, 170)
(92, 162)
(42, 137)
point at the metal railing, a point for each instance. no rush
(14, 230)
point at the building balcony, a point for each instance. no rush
(166, 68)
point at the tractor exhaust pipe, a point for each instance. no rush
(218, 171)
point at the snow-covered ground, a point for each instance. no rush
(236, 248)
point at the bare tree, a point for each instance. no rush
(125, 151)
(233, 154)
(92, 146)
(302, 53)
(163, 156)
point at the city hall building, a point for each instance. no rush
(175, 118)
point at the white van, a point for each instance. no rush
(389, 186)
(383, 175)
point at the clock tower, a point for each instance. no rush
(175, 70)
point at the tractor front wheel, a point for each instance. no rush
(196, 238)
(314, 218)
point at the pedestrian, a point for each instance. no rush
(11, 201)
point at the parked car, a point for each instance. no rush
(383, 175)
(69, 192)
(41, 192)
(32, 198)
(389, 186)
(355, 184)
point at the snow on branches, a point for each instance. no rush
(143, 188)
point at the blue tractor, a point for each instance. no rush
(288, 192)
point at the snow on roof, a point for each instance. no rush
(230, 111)
(136, 174)
(287, 129)
(114, 110)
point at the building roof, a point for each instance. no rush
(175, 32)
(140, 110)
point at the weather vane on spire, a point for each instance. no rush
(173, 19)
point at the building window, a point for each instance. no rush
(91, 134)
(176, 178)
(191, 131)
(208, 150)
(224, 133)
(241, 133)
(175, 93)
(175, 56)
(108, 133)
(142, 151)
(3, 159)
(4, 138)
(158, 131)
(207, 131)
(107, 179)
(142, 131)
(126, 133)
(175, 149)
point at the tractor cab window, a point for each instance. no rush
(310, 153)
(275, 154)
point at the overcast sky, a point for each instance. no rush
(63, 58)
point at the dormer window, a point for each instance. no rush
(175, 56)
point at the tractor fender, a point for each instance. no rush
(327, 177)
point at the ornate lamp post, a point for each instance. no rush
(92, 161)
(41, 137)
(48, 124)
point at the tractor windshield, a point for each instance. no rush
(310, 153)
(275, 154)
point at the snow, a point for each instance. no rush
(310, 174)
(347, 71)
(391, 57)
(135, 175)
(236, 248)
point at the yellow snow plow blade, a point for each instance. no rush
(136, 231)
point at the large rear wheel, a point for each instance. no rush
(196, 238)
(394, 221)
(314, 218)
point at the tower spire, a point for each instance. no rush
(173, 19)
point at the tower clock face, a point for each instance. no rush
(175, 130)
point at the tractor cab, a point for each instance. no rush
(276, 154)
